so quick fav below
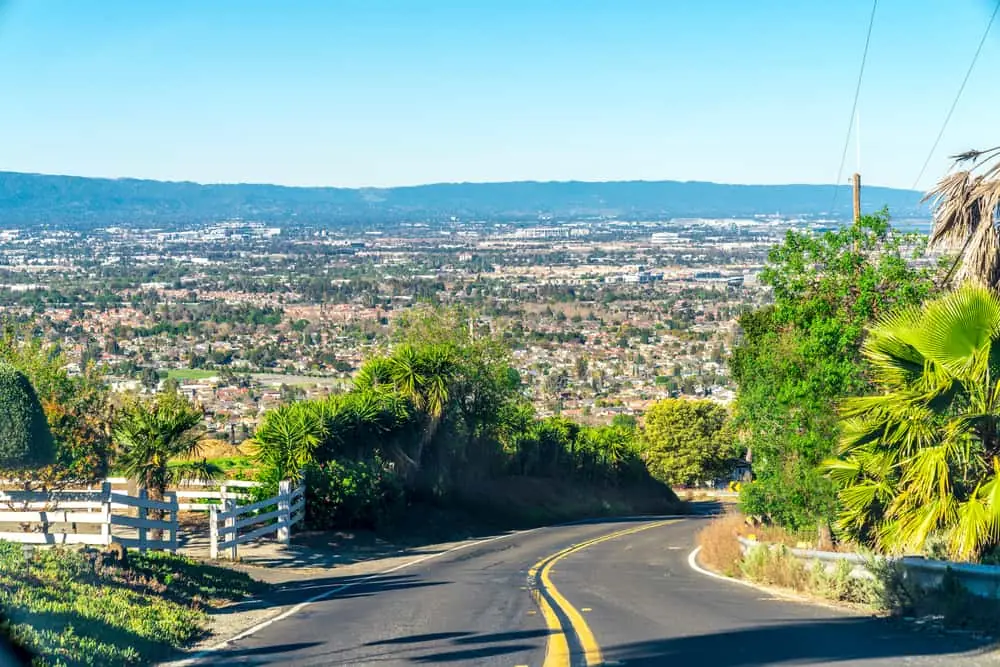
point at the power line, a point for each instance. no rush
(854, 106)
(958, 95)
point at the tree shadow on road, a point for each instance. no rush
(825, 641)
(331, 588)
(429, 648)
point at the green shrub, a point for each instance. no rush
(25, 439)
(350, 494)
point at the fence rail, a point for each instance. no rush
(282, 512)
(108, 513)
(979, 580)
(41, 524)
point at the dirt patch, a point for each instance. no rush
(211, 448)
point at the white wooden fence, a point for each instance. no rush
(273, 515)
(56, 518)
(105, 513)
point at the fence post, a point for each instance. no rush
(284, 509)
(230, 506)
(213, 531)
(142, 514)
(106, 511)
(173, 542)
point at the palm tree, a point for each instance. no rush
(149, 434)
(966, 207)
(922, 457)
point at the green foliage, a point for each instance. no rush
(687, 441)
(76, 407)
(72, 610)
(775, 565)
(801, 355)
(149, 433)
(25, 439)
(439, 413)
(351, 494)
(921, 454)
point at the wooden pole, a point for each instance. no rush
(857, 196)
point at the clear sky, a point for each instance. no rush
(380, 92)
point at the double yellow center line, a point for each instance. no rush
(555, 608)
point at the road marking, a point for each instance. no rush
(693, 564)
(205, 652)
(557, 652)
(587, 609)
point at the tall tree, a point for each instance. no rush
(798, 357)
(687, 441)
(25, 439)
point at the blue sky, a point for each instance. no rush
(380, 92)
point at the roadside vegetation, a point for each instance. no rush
(867, 400)
(434, 436)
(440, 419)
(72, 608)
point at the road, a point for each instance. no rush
(613, 593)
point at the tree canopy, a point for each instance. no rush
(800, 355)
(687, 441)
(25, 439)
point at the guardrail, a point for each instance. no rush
(273, 515)
(979, 580)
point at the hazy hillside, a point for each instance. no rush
(27, 199)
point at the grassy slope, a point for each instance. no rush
(532, 501)
(72, 610)
(510, 503)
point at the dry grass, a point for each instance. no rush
(211, 448)
(719, 549)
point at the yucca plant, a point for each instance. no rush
(287, 438)
(424, 376)
(922, 456)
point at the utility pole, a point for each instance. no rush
(856, 180)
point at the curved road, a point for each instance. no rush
(613, 593)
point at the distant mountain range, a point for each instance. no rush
(31, 199)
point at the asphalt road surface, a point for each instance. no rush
(612, 593)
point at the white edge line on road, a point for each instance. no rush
(780, 594)
(693, 563)
(204, 653)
